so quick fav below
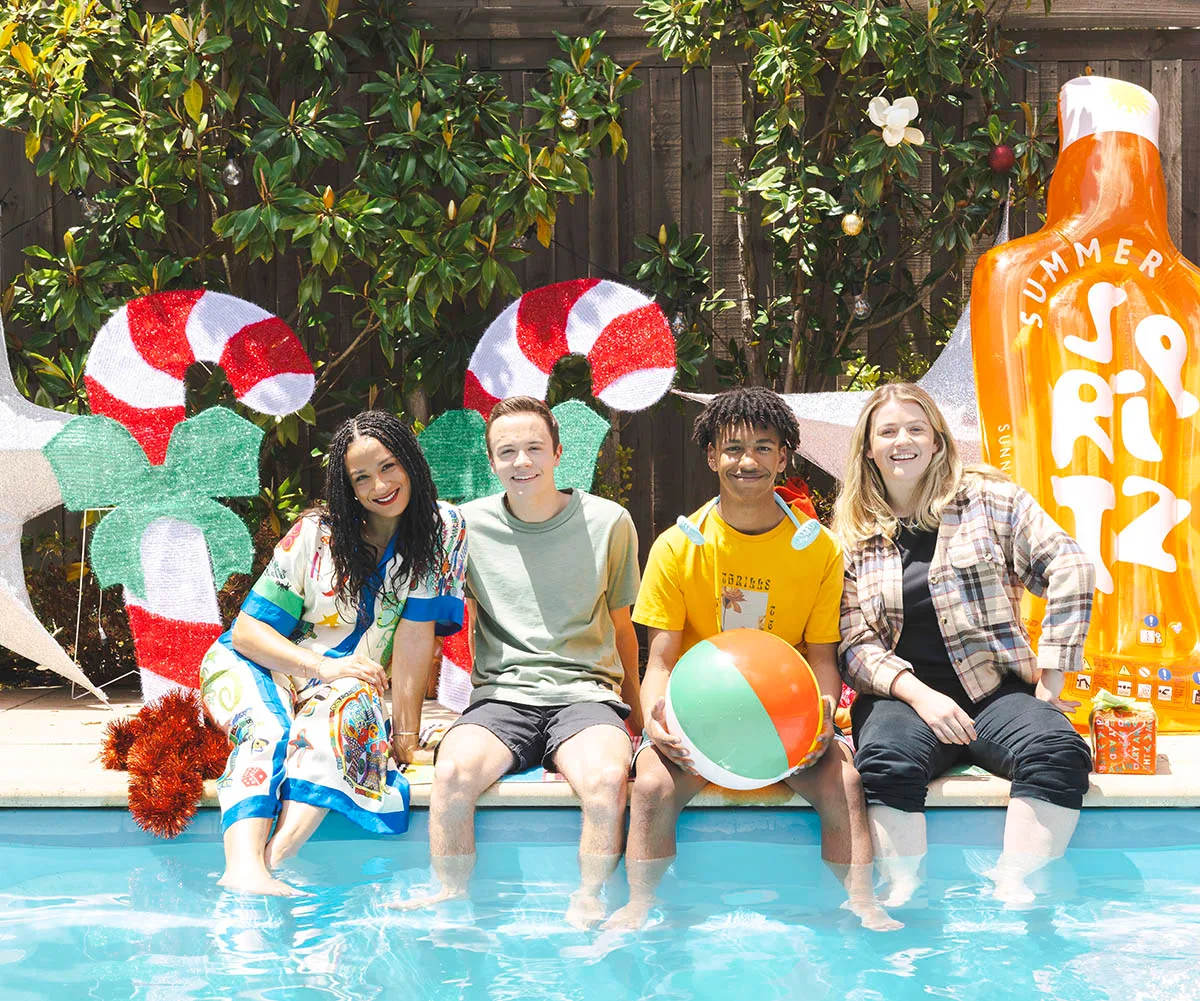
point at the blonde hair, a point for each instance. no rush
(862, 510)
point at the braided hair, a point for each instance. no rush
(746, 407)
(419, 532)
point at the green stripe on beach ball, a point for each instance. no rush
(722, 716)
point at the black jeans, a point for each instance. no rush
(1018, 737)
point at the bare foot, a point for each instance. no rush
(604, 943)
(426, 900)
(900, 885)
(452, 873)
(872, 916)
(900, 893)
(261, 883)
(901, 875)
(631, 917)
(1011, 889)
(644, 876)
(585, 910)
(858, 879)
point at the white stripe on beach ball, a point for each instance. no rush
(708, 768)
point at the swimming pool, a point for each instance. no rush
(92, 908)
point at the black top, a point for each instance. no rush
(921, 642)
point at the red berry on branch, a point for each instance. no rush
(1002, 159)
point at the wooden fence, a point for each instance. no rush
(675, 125)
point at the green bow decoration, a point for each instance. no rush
(456, 449)
(1104, 699)
(100, 464)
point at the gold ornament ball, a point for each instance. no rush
(852, 224)
(568, 119)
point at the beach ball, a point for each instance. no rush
(746, 705)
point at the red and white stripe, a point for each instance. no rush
(135, 369)
(623, 334)
(177, 619)
(135, 375)
(454, 677)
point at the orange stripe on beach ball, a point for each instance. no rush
(783, 682)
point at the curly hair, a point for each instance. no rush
(746, 407)
(419, 532)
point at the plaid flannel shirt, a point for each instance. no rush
(994, 540)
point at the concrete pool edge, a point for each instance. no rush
(50, 746)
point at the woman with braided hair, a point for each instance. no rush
(356, 587)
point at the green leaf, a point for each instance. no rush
(872, 188)
(193, 100)
(215, 45)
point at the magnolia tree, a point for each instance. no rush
(205, 144)
(877, 143)
(317, 158)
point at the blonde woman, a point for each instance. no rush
(937, 559)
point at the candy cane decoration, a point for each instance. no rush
(623, 334)
(135, 374)
(454, 676)
(135, 370)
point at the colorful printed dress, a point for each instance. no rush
(298, 738)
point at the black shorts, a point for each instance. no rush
(535, 733)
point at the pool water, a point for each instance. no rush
(92, 908)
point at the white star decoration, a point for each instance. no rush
(827, 419)
(27, 488)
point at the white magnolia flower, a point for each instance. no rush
(894, 119)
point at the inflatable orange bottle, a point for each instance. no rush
(1087, 364)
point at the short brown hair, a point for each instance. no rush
(522, 405)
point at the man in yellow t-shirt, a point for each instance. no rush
(738, 580)
(746, 574)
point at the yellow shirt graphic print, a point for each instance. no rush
(737, 581)
(744, 606)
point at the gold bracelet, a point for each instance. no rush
(407, 733)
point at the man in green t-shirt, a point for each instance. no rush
(551, 576)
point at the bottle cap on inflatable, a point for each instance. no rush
(747, 707)
(1089, 105)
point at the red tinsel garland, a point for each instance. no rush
(165, 801)
(169, 749)
(119, 737)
